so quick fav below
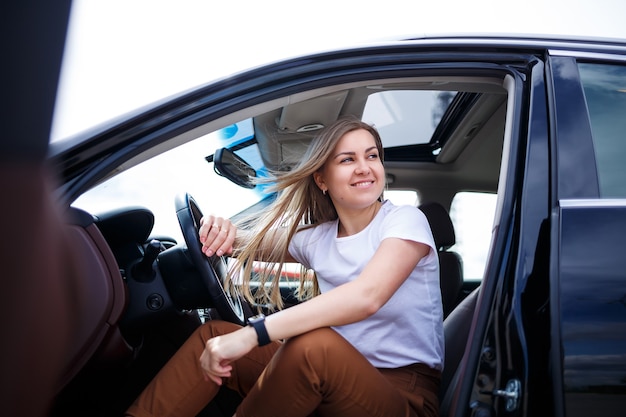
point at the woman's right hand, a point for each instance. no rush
(217, 235)
(220, 352)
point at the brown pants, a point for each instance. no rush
(318, 373)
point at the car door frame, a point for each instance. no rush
(497, 353)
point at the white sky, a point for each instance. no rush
(123, 54)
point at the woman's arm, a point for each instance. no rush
(221, 237)
(351, 302)
(390, 266)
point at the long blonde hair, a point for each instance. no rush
(299, 203)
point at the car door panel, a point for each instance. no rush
(591, 294)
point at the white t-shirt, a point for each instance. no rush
(408, 329)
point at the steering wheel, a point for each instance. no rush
(212, 270)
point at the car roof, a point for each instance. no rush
(285, 99)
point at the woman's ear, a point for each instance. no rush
(319, 180)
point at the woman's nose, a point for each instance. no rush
(362, 167)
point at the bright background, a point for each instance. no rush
(123, 54)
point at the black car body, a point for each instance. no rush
(537, 122)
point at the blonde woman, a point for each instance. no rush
(368, 340)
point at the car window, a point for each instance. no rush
(155, 183)
(406, 117)
(402, 197)
(472, 216)
(605, 91)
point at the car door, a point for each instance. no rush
(548, 335)
(506, 360)
(588, 229)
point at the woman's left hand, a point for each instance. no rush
(217, 235)
(219, 352)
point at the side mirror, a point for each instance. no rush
(230, 165)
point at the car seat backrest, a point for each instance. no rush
(450, 263)
(99, 297)
(456, 328)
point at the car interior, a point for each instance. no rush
(144, 294)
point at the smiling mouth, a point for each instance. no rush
(363, 184)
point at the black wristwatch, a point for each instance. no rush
(258, 322)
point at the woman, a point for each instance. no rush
(369, 342)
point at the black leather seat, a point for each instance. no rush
(456, 328)
(450, 263)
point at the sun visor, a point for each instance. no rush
(284, 135)
(312, 114)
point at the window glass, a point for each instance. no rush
(402, 197)
(155, 183)
(406, 117)
(472, 216)
(605, 92)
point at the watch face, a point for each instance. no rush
(256, 318)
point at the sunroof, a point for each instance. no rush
(406, 117)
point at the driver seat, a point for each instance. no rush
(100, 298)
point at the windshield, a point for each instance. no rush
(186, 169)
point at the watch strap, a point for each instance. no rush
(258, 323)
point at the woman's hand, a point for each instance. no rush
(221, 351)
(217, 235)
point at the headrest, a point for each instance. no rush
(440, 224)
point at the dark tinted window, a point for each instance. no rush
(605, 92)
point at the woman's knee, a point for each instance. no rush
(319, 347)
(318, 337)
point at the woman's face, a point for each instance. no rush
(353, 175)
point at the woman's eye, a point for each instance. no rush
(346, 160)
(373, 156)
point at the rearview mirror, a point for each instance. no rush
(231, 166)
